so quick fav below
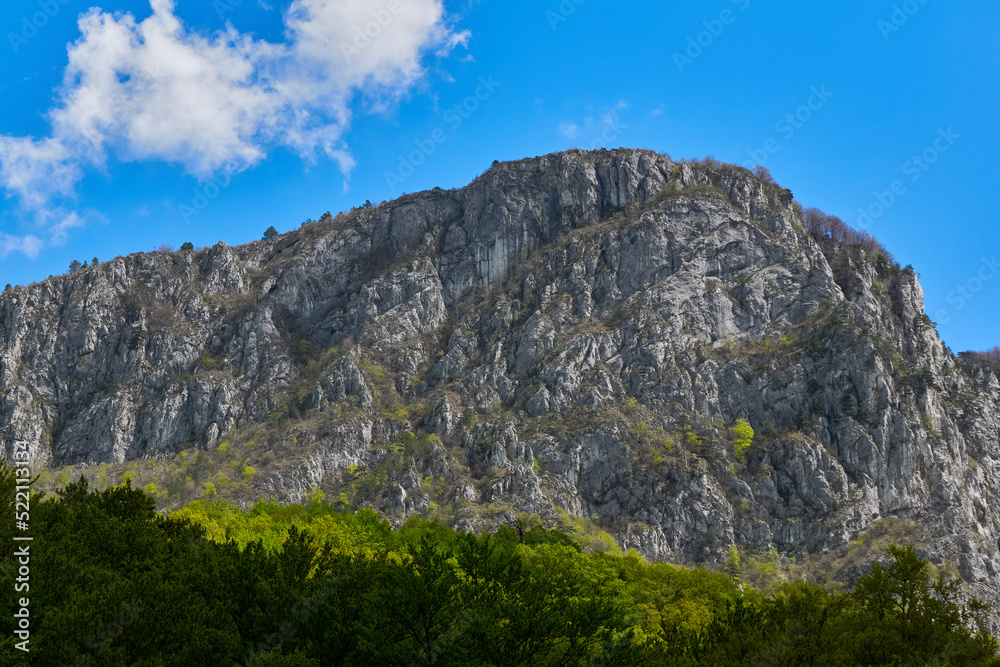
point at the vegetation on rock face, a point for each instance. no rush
(990, 359)
(114, 583)
(743, 434)
(588, 359)
(822, 226)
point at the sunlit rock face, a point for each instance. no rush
(572, 333)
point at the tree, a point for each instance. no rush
(990, 358)
(763, 173)
(733, 562)
(912, 615)
(270, 233)
(74, 266)
(186, 246)
(743, 434)
(93, 262)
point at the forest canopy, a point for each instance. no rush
(115, 583)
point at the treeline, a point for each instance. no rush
(822, 226)
(989, 358)
(114, 583)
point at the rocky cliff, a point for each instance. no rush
(572, 335)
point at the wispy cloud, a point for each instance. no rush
(568, 130)
(29, 245)
(600, 126)
(158, 90)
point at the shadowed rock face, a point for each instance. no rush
(580, 331)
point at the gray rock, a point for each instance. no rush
(579, 331)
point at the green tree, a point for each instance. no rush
(270, 233)
(743, 438)
(908, 615)
(733, 562)
(187, 246)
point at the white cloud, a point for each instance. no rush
(455, 40)
(37, 171)
(158, 90)
(29, 245)
(568, 130)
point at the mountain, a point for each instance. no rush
(575, 336)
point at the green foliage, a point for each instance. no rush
(154, 492)
(742, 438)
(733, 562)
(588, 535)
(187, 246)
(908, 614)
(115, 583)
(692, 441)
(208, 361)
(270, 233)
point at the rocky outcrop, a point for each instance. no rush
(577, 332)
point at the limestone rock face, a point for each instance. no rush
(577, 332)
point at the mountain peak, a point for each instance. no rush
(574, 333)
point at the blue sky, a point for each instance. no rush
(123, 129)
